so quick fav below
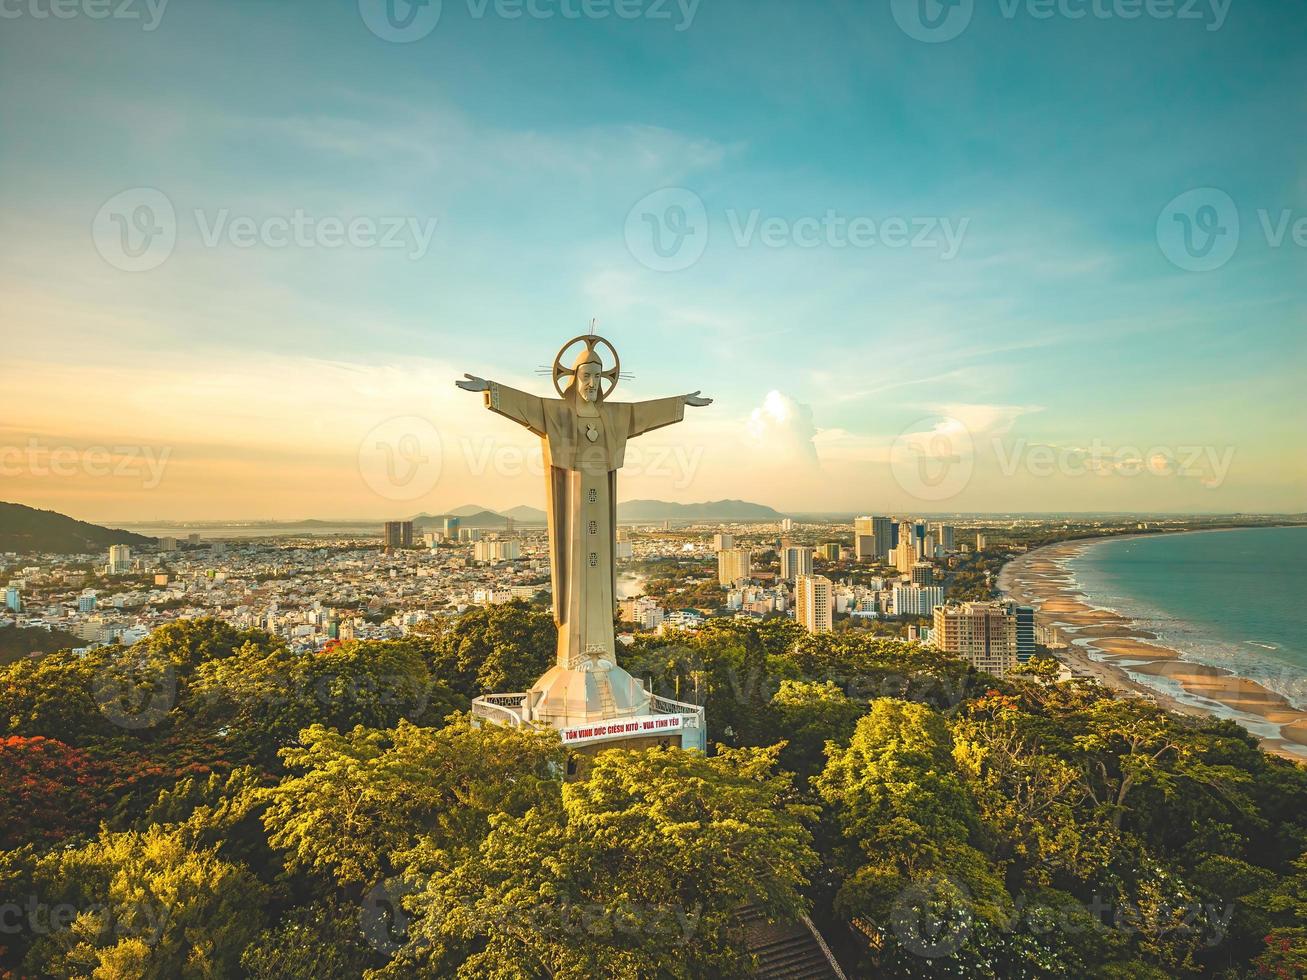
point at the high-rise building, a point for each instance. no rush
(167, 544)
(831, 551)
(86, 603)
(983, 633)
(915, 600)
(905, 553)
(873, 538)
(1025, 632)
(398, 534)
(643, 611)
(120, 558)
(722, 541)
(814, 603)
(13, 600)
(944, 536)
(787, 525)
(923, 573)
(496, 550)
(796, 560)
(980, 541)
(734, 564)
(450, 526)
(470, 534)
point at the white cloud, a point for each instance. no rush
(783, 428)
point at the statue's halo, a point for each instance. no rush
(563, 374)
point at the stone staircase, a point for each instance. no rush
(605, 689)
(792, 950)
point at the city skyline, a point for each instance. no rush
(1044, 349)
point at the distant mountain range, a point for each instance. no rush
(741, 511)
(26, 529)
(474, 515)
(632, 511)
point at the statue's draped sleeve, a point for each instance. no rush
(522, 408)
(654, 414)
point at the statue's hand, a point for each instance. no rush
(697, 400)
(473, 383)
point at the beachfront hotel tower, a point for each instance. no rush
(982, 633)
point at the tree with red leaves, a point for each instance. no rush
(48, 790)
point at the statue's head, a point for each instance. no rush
(589, 369)
(585, 378)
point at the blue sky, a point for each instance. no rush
(1051, 146)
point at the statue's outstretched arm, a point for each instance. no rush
(646, 416)
(523, 408)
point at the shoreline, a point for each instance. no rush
(1131, 661)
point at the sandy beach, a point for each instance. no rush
(1114, 650)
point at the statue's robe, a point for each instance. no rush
(584, 447)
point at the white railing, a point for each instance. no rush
(500, 709)
(666, 706)
(504, 700)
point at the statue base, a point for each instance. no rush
(597, 707)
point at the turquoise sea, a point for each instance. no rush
(1235, 599)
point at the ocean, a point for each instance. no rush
(1235, 599)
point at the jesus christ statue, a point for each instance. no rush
(584, 440)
